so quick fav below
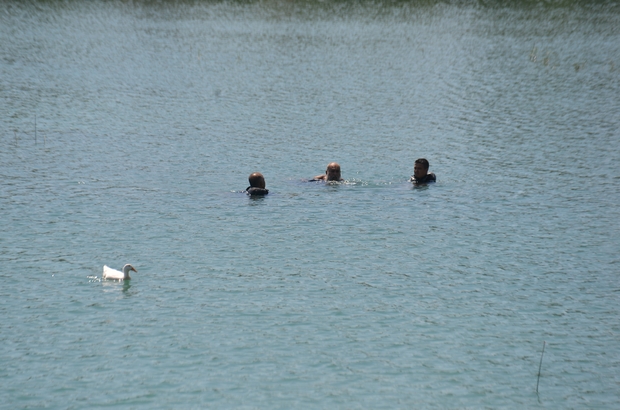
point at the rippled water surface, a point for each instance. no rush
(128, 130)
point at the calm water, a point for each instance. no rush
(149, 117)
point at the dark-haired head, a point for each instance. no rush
(423, 162)
(420, 168)
(257, 180)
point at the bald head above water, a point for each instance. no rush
(333, 172)
(257, 180)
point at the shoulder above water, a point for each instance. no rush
(256, 191)
(323, 179)
(430, 177)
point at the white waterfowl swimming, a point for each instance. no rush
(109, 273)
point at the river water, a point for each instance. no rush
(128, 131)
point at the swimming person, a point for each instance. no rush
(257, 185)
(332, 173)
(420, 172)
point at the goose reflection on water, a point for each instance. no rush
(114, 286)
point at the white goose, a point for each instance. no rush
(109, 273)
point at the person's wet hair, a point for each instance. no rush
(257, 185)
(257, 180)
(423, 162)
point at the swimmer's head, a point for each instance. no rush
(333, 172)
(420, 168)
(257, 180)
